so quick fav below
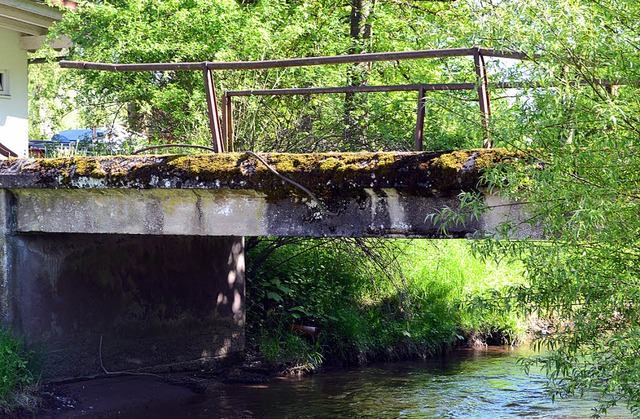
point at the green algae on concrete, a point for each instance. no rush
(326, 172)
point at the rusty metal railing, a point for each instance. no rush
(221, 123)
(6, 151)
(420, 88)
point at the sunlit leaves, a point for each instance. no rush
(172, 31)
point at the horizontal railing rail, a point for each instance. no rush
(297, 62)
(352, 89)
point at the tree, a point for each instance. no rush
(581, 183)
(164, 105)
(48, 104)
(170, 107)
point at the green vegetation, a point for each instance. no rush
(584, 192)
(17, 382)
(170, 107)
(372, 300)
(582, 134)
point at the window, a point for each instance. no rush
(4, 83)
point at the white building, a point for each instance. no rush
(23, 27)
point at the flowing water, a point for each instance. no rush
(464, 384)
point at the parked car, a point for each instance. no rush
(85, 140)
(80, 135)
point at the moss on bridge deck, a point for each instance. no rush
(435, 172)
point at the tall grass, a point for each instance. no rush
(374, 299)
(465, 288)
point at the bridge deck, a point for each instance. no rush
(347, 194)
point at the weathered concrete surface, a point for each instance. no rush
(6, 227)
(357, 194)
(151, 300)
(375, 213)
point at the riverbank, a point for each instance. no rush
(110, 397)
(138, 395)
(168, 395)
(133, 395)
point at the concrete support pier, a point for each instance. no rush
(84, 301)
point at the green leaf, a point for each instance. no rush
(274, 296)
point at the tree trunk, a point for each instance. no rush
(361, 33)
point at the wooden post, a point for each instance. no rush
(419, 134)
(483, 96)
(212, 105)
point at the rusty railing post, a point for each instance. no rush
(612, 89)
(227, 121)
(212, 105)
(483, 96)
(419, 134)
(223, 120)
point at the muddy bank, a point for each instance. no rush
(112, 397)
(131, 395)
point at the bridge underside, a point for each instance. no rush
(124, 263)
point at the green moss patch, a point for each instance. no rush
(330, 172)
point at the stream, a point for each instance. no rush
(463, 384)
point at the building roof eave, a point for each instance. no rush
(30, 17)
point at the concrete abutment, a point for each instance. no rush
(84, 301)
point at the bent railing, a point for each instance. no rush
(221, 121)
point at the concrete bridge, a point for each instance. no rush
(118, 263)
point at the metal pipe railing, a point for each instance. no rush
(221, 124)
(296, 62)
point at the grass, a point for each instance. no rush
(376, 299)
(290, 352)
(18, 386)
(465, 288)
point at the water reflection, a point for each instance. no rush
(487, 384)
